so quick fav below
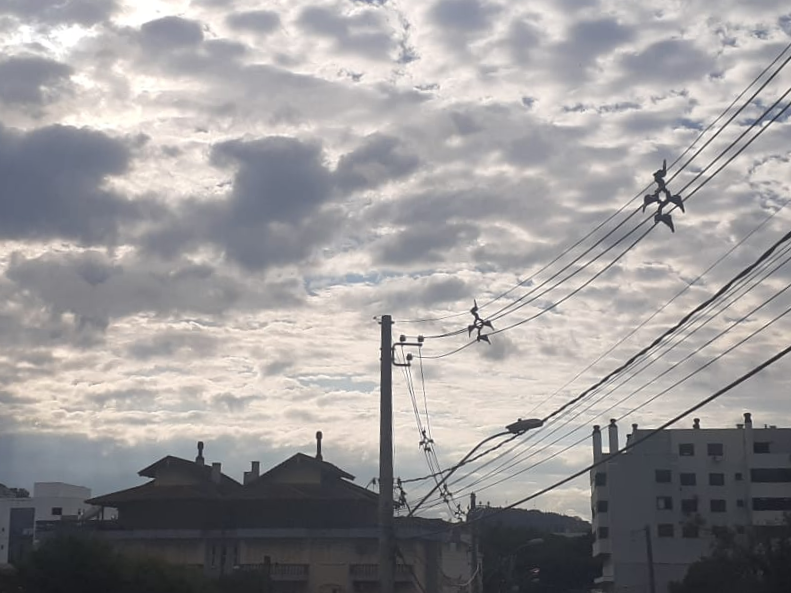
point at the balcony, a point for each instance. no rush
(278, 572)
(370, 572)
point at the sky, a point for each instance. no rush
(205, 206)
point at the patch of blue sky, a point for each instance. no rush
(337, 383)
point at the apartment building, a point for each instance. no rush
(667, 497)
(51, 501)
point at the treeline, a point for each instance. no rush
(85, 565)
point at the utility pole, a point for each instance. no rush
(386, 534)
(650, 553)
(471, 515)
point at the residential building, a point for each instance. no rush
(675, 490)
(304, 525)
(51, 501)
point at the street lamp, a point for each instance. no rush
(515, 428)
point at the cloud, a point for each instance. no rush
(257, 21)
(54, 185)
(378, 160)
(30, 80)
(670, 61)
(169, 33)
(463, 16)
(364, 33)
(61, 12)
(97, 290)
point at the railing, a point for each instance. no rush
(278, 572)
(370, 572)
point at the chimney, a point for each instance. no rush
(199, 459)
(216, 472)
(597, 454)
(696, 423)
(613, 434)
(255, 468)
(319, 436)
(748, 434)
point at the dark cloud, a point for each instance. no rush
(380, 159)
(424, 244)
(466, 16)
(30, 80)
(54, 185)
(57, 12)
(279, 211)
(523, 38)
(672, 61)
(278, 179)
(171, 32)
(362, 33)
(173, 344)
(585, 42)
(257, 21)
(233, 403)
(60, 283)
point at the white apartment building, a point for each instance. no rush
(674, 490)
(51, 501)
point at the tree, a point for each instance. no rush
(532, 561)
(85, 565)
(758, 562)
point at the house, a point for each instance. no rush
(51, 501)
(673, 492)
(303, 524)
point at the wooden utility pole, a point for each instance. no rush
(386, 534)
(476, 577)
(650, 553)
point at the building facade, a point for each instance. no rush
(51, 502)
(666, 498)
(303, 525)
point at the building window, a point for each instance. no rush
(719, 531)
(57, 511)
(689, 505)
(716, 479)
(690, 531)
(717, 505)
(663, 476)
(772, 504)
(738, 476)
(715, 449)
(602, 506)
(761, 447)
(664, 530)
(600, 479)
(664, 503)
(740, 503)
(603, 532)
(688, 479)
(686, 449)
(771, 475)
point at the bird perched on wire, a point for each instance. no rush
(478, 324)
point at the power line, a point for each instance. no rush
(638, 441)
(634, 243)
(736, 297)
(612, 216)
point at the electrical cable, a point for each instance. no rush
(636, 442)
(682, 155)
(737, 297)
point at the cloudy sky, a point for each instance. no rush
(204, 204)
